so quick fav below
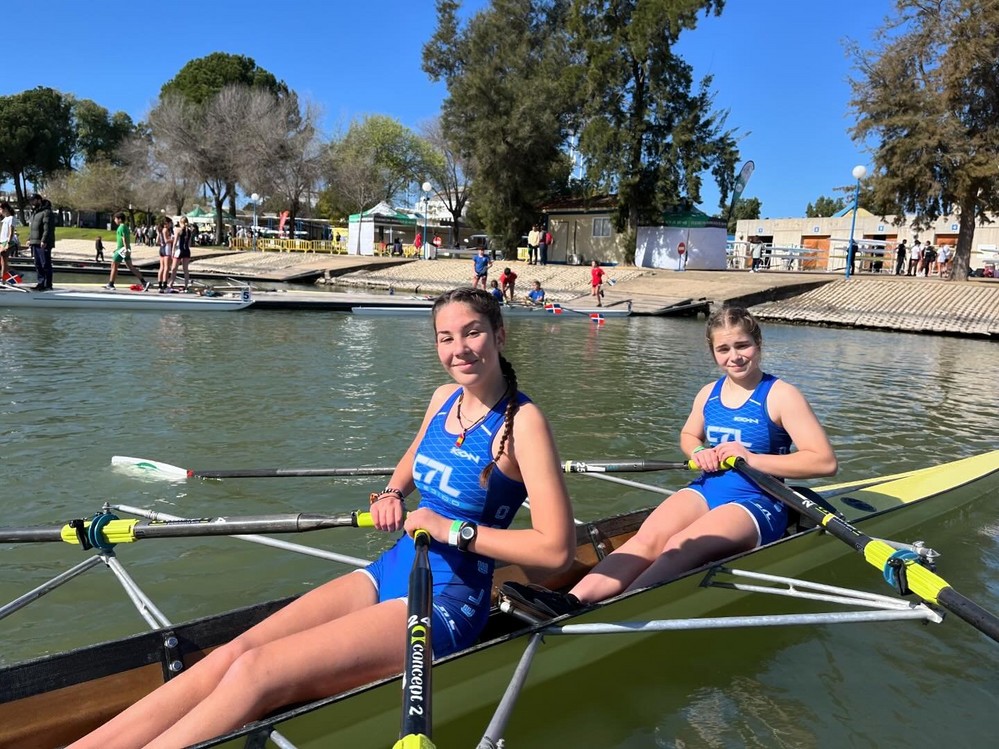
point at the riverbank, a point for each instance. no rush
(918, 305)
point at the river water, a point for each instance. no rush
(296, 389)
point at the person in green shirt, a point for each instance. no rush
(123, 253)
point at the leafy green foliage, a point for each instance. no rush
(927, 104)
(37, 137)
(744, 208)
(510, 95)
(99, 134)
(822, 207)
(646, 130)
(201, 79)
(376, 159)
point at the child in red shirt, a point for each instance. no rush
(597, 282)
(508, 280)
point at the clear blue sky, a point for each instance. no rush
(779, 66)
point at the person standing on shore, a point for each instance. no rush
(6, 233)
(98, 250)
(914, 255)
(597, 282)
(165, 238)
(181, 254)
(900, 258)
(41, 240)
(123, 253)
(546, 240)
(533, 241)
(481, 263)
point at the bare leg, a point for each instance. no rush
(723, 531)
(135, 271)
(114, 273)
(623, 566)
(287, 657)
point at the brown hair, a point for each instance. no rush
(734, 317)
(5, 206)
(485, 304)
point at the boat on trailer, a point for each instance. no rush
(122, 299)
(50, 701)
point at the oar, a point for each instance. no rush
(156, 469)
(105, 529)
(416, 689)
(893, 563)
(626, 466)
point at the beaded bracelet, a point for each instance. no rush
(375, 496)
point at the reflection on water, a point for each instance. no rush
(266, 389)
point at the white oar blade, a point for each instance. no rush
(149, 469)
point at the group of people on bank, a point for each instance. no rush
(174, 253)
(482, 448)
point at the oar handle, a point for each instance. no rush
(635, 466)
(416, 684)
(105, 530)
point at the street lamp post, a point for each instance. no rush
(427, 187)
(254, 199)
(858, 174)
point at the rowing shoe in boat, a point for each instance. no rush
(47, 702)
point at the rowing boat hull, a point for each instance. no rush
(563, 313)
(471, 681)
(127, 300)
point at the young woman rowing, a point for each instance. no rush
(746, 413)
(482, 447)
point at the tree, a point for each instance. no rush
(745, 208)
(823, 206)
(37, 137)
(99, 134)
(927, 104)
(283, 154)
(374, 161)
(645, 131)
(510, 97)
(195, 93)
(449, 171)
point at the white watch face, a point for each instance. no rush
(467, 533)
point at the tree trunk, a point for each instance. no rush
(965, 235)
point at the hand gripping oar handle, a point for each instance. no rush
(416, 683)
(923, 582)
(105, 530)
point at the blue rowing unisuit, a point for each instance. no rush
(751, 425)
(447, 476)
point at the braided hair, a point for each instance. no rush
(485, 304)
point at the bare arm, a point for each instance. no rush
(814, 455)
(532, 457)
(387, 512)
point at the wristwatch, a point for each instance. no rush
(466, 534)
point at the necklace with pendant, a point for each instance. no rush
(466, 429)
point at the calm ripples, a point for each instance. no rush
(266, 389)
